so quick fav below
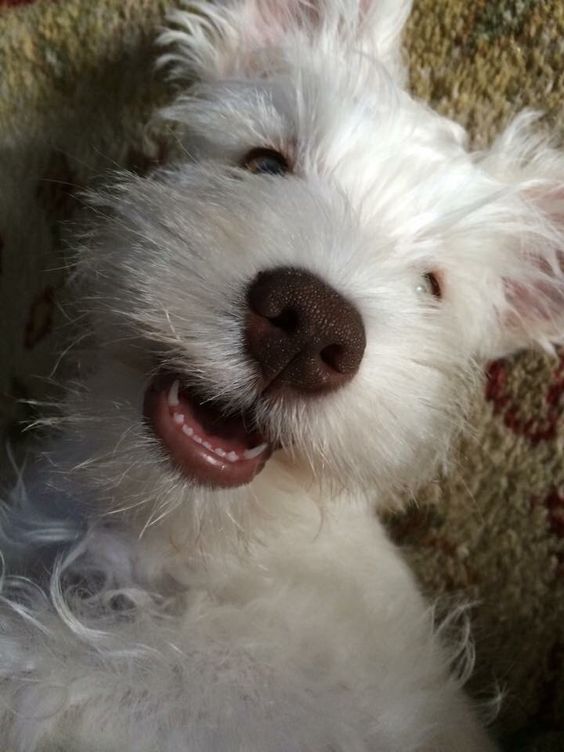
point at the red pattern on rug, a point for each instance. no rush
(554, 504)
(15, 2)
(536, 428)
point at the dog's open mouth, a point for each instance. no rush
(207, 444)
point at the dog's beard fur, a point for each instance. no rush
(381, 192)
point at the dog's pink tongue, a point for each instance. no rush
(207, 447)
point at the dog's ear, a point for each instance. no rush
(529, 295)
(216, 40)
(380, 32)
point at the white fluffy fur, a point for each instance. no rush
(141, 612)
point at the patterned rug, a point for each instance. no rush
(77, 86)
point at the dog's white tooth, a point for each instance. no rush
(173, 400)
(207, 445)
(198, 439)
(232, 456)
(178, 418)
(250, 454)
(220, 452)
(188, 430)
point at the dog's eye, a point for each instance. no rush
(430, 285)
(265, 162)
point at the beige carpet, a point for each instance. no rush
(76, 87)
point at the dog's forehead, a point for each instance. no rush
(330, 114)
(341, 117)
(361, 131)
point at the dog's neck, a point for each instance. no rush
(283, 506)
(289, 523)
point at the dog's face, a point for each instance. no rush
(314, 283)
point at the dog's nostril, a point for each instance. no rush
(288, 320)
(301, 332)
(334, 357)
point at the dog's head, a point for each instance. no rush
(315, 281)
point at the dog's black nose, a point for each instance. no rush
(301, 332)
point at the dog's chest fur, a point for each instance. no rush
(274, 645)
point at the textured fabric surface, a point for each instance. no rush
(76, 89)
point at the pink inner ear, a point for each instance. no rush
(552, 204)
(539, 301)
(528, 302)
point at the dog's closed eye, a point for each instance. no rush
(263, 161)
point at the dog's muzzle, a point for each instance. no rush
(304, 339)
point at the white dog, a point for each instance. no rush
(289, 320)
